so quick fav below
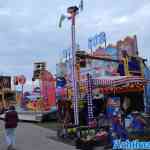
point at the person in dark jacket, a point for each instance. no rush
(11, 122)
(2, 110)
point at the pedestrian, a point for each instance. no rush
(118, 128)
(11, 122)
(138, 122)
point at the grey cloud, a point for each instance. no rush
(29, 29)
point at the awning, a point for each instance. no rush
(116, 81)
(129, 80)
(118, 90)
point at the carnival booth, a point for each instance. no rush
(40, 103)
(110, 87)
(46, 85)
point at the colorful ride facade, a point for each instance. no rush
(107, 72)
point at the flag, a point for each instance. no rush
(62, 18)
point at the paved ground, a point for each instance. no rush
(32, 137)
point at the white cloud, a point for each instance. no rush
(144, 11)
(121, 20)
(5, 12)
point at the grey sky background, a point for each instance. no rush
(29, 29)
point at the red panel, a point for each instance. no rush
(51, 95)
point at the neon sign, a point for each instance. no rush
(97, 40)
(67, 53)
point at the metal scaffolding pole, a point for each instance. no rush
(73, 11)
(74, 73)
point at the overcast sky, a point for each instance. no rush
(29, 29)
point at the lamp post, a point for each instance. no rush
(73, 11)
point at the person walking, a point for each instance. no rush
(11, 122)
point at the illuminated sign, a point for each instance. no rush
(97, 40)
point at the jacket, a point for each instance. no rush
(11, 119)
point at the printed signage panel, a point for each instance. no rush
(108, 52)
(99, 68)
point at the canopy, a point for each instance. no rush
(115, 81)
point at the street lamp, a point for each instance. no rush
(72, 12)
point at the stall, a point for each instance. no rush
(111, 86)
